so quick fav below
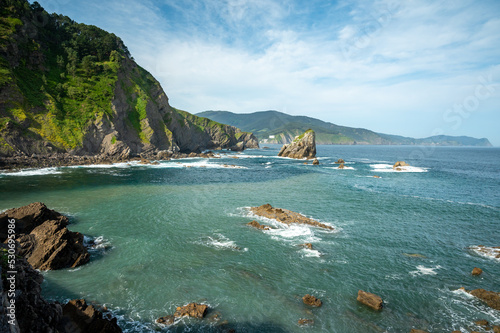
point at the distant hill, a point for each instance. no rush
(278, 127)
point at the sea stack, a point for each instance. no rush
(304, 146)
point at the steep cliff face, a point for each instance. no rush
(303, 146)
(68, 87)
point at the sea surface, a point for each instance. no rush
(176, 233)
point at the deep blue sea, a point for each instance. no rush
(176, 233)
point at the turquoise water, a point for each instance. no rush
(172, 234)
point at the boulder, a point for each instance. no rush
(491, 298)
(477, 271)
(304, 146)
(376, 176)
(194, 310)
(342, 166)
(315, 162)
(311, 301)
(79, 317)
(28, 218)
(286, 216)
(52, 246)
(307, 245)
(257, 225)
(400, 164)
(340, 161)
(371, 300)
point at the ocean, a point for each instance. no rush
(176, 233)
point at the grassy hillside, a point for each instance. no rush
(285, 127)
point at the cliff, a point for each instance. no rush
(73, 88)
(303, 146)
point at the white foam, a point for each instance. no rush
(32, 172)
(389, 168)
(97, 244)
(219, 241)
(422, 270)
(344, 168)
(121, 165)
(311, 253)
(486, 251)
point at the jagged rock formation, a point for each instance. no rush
(193, 310)
(43, 237)
(311, 301)
(304, 146)
(257, 225)
(491, 298)
(87, 96)
(80, 317)
(286, 216)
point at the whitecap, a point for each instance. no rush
(32, 172)
(344, 168)
(311, 253)
(219, 241)
(389, 168)
(422, 270)
(96, 244)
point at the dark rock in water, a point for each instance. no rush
(28, 218)
(33, 313)
(371, 300)
(482, 322)
(52, 246)
(414, 330)
(306, 322)
(194, 310)
(477, 271)
(491, 298)
(257, 225)
(341, 166)
(311, 301)
(376, 176)
(286, 216)
(167, 320)
(304, 146)
(340, 161)
(78, 316)
(307, 245)
(400, 164)
(315, 162)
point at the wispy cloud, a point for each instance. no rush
(386, 65)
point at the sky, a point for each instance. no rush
(415, 68)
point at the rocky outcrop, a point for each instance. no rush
(315, 162)
(307, 246)
(52, 246)
(28, 218)
(257, 225)
(286, 216)
(477, 271)
(400, 164)
(340, 161)
(342, 166)
(193, 310)
(32, 312)
(304, 146)
(79, 317)
(491, 298)
(44, 238)
(311, 301)
(305, 322)
(369, 299)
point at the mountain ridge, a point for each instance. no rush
(284, 128)
(67, 87)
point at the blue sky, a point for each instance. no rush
(413, 68)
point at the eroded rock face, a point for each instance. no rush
(311, 301)
(52, 246)
(286, 216)
(491, 298)
(302, 147)
(28, 218)
(79, 317)
(371, 300)
(33, 313)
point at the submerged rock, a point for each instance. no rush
(257, 225)
(167, 320)
(286, 216)
(78, 316)
(307, 245)
(311, 301)
(477, 271)
(305, 322)
(371, 300)
(304, 146)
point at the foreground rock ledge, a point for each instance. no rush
(491, 298)
(286, 216)
(371, 300)
(44, 239)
